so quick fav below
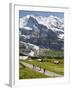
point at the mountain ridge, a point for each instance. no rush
(45, 32)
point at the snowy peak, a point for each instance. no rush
(54, 23)
(45, 32)
(50, 22)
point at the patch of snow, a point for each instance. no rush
(23, 57)
(25, 36)
(61, 36)
(33, 46)
(31, 53)
(27, 28)
(51, 21)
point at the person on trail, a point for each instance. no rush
(33, 66)
(44, 70)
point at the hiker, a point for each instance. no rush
(44, 70)
(33, 66)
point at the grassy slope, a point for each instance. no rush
(26, 73)
(51, 52)
(57, 68)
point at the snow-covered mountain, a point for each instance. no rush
(42, 31)
(50, 22)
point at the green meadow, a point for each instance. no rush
(27, 73)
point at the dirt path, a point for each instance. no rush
(37, 69)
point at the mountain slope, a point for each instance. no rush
(45, 32)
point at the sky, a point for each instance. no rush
(23, 13)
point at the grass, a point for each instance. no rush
(57, 68)
(27, 73)
(48, 57)
(52, 53)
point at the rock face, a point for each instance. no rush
(45, 32)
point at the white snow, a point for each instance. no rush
(51, 22)
(33, 46)
(23, 57)
(27, 28)
(31, 53)
(25, 36)
(61, 36)
(47, 21)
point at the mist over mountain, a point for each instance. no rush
(45, 32)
